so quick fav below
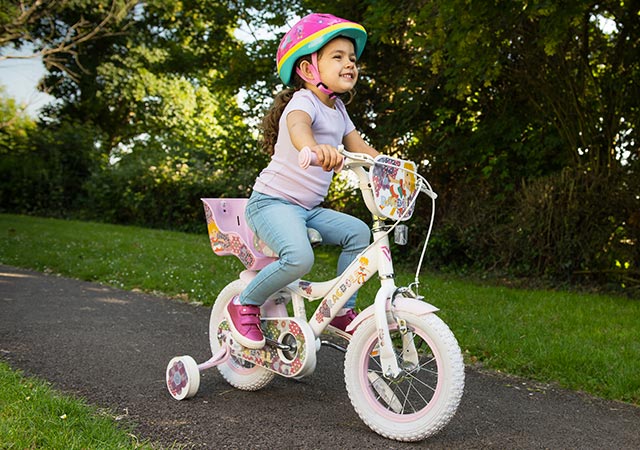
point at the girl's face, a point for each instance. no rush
(337, 65)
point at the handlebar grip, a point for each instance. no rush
(307, 157)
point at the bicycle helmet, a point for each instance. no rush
(308, 36)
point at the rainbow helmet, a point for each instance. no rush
(309, 35)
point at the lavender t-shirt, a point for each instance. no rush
(283, 177)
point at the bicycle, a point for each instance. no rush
(403, 367)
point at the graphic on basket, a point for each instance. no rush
(394, 186)
(230, 235)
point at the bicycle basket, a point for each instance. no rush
(393, 182)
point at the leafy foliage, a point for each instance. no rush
(495, 96)
(55, 30)
(516, 110)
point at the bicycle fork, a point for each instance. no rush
(388, 358)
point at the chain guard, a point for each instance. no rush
(295, 363)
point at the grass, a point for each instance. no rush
(585, 342)
(32, 415)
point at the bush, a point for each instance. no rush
(44, 174)
(571, 226)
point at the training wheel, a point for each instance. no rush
(183, 377)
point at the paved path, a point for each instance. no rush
(111, 347)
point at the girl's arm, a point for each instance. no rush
(299, 125)
(354, 143)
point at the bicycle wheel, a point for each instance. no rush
(238, 373)
(425, 396)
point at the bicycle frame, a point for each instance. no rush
(376, 258)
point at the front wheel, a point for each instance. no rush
(424, 397)
(238, 373)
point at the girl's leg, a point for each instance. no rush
(282, 226)
(349, 232)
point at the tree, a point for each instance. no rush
(13, 124)
(55, 29)
(514, 108)
(163, 97)
(497, 96)
(501, 99)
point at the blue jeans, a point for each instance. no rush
(283, 227)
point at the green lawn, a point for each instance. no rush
(32, 415)
(584, 342)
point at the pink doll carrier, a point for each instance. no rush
(229, 234)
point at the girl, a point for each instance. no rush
(317, 57)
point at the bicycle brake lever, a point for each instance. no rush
(351, 158)
(425, 189)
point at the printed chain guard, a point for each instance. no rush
(290, 350)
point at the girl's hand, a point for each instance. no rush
(328, 157)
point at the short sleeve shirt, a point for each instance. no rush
(283, 177)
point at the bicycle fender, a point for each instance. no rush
(410, 305)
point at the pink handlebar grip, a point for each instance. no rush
(307, 157)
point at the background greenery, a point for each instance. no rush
(523, 115)
(579, 341)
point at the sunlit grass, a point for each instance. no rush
(581, 341)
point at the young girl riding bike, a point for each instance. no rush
(317, 60)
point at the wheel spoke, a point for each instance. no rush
(424, 367)
(408, 389)
(417, 391)
(423, 383)
(406, 399)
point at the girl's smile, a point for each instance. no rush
(337, 65)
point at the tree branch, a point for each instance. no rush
(39, 12)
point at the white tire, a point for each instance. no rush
(424, 398)
(238, 373)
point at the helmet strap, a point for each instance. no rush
(315, 76)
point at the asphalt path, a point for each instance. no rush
(111, 347)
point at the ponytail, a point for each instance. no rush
(271, 120)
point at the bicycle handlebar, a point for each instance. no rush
(358, 162)
(307, 157)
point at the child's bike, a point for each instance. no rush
(403, 367)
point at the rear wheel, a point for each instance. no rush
(238, 373)
(426, 394)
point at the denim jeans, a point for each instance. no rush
(283, 227)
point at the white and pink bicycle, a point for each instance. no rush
(403, 367)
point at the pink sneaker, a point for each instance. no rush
(244, 321)
(342, 322)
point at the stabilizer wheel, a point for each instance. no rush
(183, 377)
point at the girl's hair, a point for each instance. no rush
(271, 121)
